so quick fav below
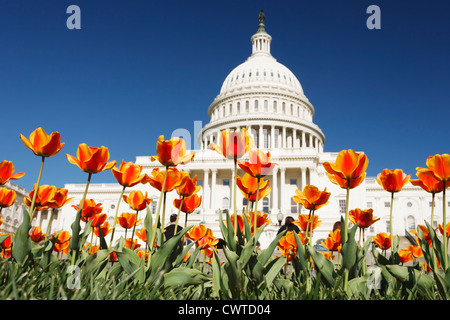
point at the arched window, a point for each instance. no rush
(410, 223)
(225, 203)
(244, 204)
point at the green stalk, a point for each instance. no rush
(134, 227)
(256, 207)
(178, 215)
(344, 240)
(157, 215)
(36, 189)
(115, 217)
(432, 209)
(390, 219)
(81, 208)
(234, 196)
(48, 224)
(444, 226)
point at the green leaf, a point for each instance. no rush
(349, 250)
(266, 254)
(22, 244)
(274, 270)
(183, 276)
(217, 277)
(323, 265)
(74, 244)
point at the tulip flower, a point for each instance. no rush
(47, 197)
(7, 172)
(249, 186)
(261, 219)
(7, 198)
(90, 209)
(349, 171)
(36, 234)
(237, 221)
(171, 153)
(189, 204)
(233, 145)
(137, 200)
(364, 218)
(430, 185)
(308, 223)
(311, 198)
(104, 227)
(405, 255)
(439, 168)
(92, 159)
(447, 230)
(98, 219)
(382, 240)
(42, 144)
(141, 234)
(6, 247)
(197, 232)
(128, 174)
(127, 220)
(258, 166)
(173, 179)
(333, 241)
(187, 188)
(392, 181)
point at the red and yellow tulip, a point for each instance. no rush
(312, 198)
(128, 174)
(92, 159)
(171, 153)
(233, 144)
(137, 200)
(42, 144)
(7, 172)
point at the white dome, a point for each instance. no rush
(261, 71)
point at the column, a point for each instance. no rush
(283, 142)
(282, 186)
(272, 137)
(261, 137)
(232, 193)
(274, 192)
(213, 185)
(303, 172)
(206, 197)
(294, 138)
(303, 139)
(310, 140)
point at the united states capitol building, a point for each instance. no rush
(264, 96)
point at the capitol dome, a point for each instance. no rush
(266, 97)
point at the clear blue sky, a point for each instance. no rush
(139, 69)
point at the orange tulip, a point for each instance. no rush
(261, 219)
(42, 144)
(141, 234)
(47, 197)
(128, 174)
(248, 186)
(90, 209)
(7, 172)
(259, 164)
(382, 240)
(189, 203)
(137, 200)
(62, 247)
(416, 251)
(303, 219)
(104, 228)
(425, 232)
(349, 170)
(427, 183)
(333, 242)
(62, 236)
(208, 241)
(6, 244)
(438, 168)
(7, 197)
(36, 235)
(197, 232)
(174, 179)
(91, 159)
(240, 222)
(405, 255)
(130, 245)
(128, 220)
(392, 180)
(188, 186)
(288, 245)
(365, 218)
(312, 198)
(97, 219)
(233, 144)
(172, 152)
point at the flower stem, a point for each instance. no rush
(234, 196)
(81, 208)
(36, 188)
(115, 217)
(157, 214)
(444, 226)
(48, 224)
(344, 240)
(178, 216)
(432, 209)
(256, 206)
(390, 218)
(134, 227)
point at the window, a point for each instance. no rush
(387, 204)
(200, 183)
(266, 106)
(256, 105)
(369, 204)
(341, 206)
(226, 182)
(388, 226)
(294, 206)
(266, 205)
(293, 181)
(244, 205)
(154, 204)
(431, 204)
(225, 203)
(410, 223)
